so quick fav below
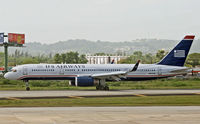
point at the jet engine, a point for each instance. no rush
(83, 81)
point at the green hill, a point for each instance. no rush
(90, 47)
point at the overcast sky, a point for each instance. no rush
(49, 21)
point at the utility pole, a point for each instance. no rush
(6, 57)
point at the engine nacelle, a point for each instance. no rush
(83, 81)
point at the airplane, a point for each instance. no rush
(97, 74)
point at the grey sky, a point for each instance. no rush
(49, 21)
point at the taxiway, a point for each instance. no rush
(99, 115)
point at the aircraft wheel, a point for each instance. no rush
(99, 87)
(28, 88)
(106, 88)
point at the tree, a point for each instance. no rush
(29, 60)
(193, 59)
(63, 58)
(133, 58)
(137, 53)
(149, 59)
(100, 54)
(57, 58)
(82, 59)
(2, 59)
(160, 54)
(72, 57)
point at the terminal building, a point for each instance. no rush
(104, 59)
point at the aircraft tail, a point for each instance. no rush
(179, 54)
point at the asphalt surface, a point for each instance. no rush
(101, 115)
(80, 93)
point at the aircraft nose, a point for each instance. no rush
(7, 75)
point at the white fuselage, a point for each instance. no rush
(70, 71)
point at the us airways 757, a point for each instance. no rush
(97, 74)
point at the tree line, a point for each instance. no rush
(20, 57)
(193, 59)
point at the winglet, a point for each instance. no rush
(112, 61)
(136, 66)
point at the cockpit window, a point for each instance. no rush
(14, 70)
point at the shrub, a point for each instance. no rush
(40, 83)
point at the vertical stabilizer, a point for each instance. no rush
(178, 55)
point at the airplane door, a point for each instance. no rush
(25, 71)
(159, 71)
(61, 71)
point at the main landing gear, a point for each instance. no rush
(27, 85)
(102, 85)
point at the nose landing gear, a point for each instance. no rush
(27, 88)
(27, 85)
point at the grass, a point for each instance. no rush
(193, 83)
(108, 101)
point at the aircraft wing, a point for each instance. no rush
(106, 75)
(115, 75)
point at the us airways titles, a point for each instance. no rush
(65, 66)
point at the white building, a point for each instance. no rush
(104, 59)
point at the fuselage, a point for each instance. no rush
(70, 71)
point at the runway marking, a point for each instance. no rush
(141, 95)
(12, 98)
(78, 97)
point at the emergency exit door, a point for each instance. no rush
(25, 71)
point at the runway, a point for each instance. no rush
(81, 93)
(99, 115)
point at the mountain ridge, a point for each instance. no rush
(91, 47)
